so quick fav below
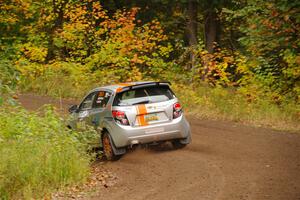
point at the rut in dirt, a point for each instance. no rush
(225, 161)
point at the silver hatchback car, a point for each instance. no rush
(129, 114)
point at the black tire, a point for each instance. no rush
(108, 149)
(177, 144)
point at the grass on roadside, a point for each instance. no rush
(38, 155)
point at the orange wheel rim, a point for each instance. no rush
(107, 146)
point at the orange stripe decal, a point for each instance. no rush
(124, 84)
(121, 85)
(141, 111)
(119, 89)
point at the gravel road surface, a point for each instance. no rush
(226, 160)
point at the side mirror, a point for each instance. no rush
(73, 108)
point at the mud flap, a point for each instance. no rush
(186, 140)
(117, 151)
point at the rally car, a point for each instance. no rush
(129, 114)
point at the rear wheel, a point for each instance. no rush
(177, 144)
(107, 148)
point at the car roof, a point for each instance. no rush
(119, 86)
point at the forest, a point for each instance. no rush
(226, 59)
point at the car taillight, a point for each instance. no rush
(177, 110)
(120, 117)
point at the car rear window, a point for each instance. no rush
(143, 95)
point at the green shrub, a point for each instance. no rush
(8, 80)
(38, 154)
(243, 104)
(229, 104)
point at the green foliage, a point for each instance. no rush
(38, 154)
(92, 47)
(9, 77)
(220, 68)
(63, 48)
(227, 104)
(80, 40)
(57, 79)
(271, 38)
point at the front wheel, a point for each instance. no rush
(177, 144)
(107, 148)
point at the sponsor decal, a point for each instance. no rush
(151, 107)
(151, 118)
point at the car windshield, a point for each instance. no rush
(143, 96)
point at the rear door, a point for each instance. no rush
(146, 105)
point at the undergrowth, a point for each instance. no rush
(228, 104)
(38, 154)
(200, 100)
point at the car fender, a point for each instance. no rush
(106, 126)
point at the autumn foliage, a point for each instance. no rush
(87, 36)
(53, 43)
(236, 60)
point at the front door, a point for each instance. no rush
(85, 110)
(100, 109)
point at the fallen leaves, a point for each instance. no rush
(100, 179)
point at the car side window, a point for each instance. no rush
(101, 99)
(87, 102)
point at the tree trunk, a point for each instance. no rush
(192, 22)
(58, 24)
(211, 26)
(191, 28)
(89, 30)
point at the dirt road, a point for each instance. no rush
(225, 161)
